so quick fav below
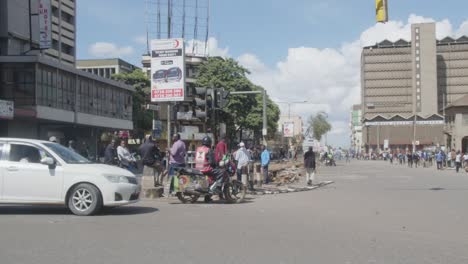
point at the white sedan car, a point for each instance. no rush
(42, 172)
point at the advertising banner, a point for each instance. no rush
(288, 129)
(167, 70)
(45, 24)
(7, 109)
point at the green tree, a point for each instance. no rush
(319, 125)
(142, 119)
(243, 111)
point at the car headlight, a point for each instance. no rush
(117, 179)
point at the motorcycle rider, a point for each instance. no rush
(205, 162)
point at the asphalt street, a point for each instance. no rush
(373, 213)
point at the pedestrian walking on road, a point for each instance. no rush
(439, 160)
(458, 158)
(243, 158)
(465, 159)
(309, 165)
(265, 161)
(176, 158)
(410, 159)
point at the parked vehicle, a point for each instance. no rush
(190, 184)
(42, 172)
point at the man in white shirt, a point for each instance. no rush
(458, 161)
(465, 159)
(124, 155)
(243, 158)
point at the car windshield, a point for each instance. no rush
(69, 156)
(173, 73)
(159, 74)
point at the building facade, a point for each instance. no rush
(48, 95)
(105, 67)
(15, 34)
(405, 86)
(356, 128)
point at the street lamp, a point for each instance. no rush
(289, 105)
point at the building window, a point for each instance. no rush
(47, 86)
(17, 83)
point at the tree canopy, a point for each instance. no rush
(320, 126)
(142, 119)
(243, 111)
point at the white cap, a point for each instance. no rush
(53, 139)
(241, 144)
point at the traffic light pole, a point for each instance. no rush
(263, 92)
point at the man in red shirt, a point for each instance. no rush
(221, 149)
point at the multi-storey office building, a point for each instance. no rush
(407, 85)
(50, 97)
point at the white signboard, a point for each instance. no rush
(45, 24)
(167, 70)
(405, 123)
(288, 129)
(385, 144)
(7, 109)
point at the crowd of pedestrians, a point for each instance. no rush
(442, 160)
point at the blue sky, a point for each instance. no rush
(272, 37)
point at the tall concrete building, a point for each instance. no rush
(406, 85)
(105, 67)
(44, 93)
(15, 34)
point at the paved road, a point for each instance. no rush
(374, 213)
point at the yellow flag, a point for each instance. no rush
(381, 11)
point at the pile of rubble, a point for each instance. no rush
(286, 176)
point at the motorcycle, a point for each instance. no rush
(190, 184)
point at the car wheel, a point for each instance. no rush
(84, 200)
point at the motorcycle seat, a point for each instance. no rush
(191, 171)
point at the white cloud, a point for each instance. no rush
(330, 78)
(140, 40)
(107, 50)
(212, 48)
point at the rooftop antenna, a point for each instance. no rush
(207, 29)
(183, 20)
(195, 31)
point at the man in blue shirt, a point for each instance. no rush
(265, 160)
(439, 159)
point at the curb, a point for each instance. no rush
(290, 189)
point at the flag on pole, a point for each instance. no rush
(381, 11)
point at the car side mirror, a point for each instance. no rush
(48, 161)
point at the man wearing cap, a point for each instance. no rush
(243, 158)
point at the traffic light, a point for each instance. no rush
(381, 11)
(203, 102)
(222, 98)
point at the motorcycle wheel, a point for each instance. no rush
(234, 192)
(185, 198)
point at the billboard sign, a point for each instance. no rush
(7, 109)
(167, 70)
(288, 129)
(44, 11)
